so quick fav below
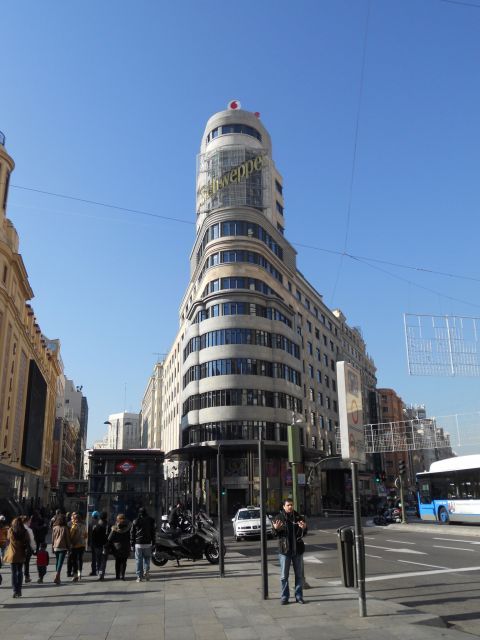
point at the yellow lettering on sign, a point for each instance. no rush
(243, 171)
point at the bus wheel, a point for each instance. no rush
(443, 516)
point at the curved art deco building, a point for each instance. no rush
(256, 343)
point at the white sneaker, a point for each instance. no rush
(139, 579)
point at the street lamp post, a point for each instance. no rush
(263, 513)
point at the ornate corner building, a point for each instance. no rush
(257, 344)
(29, 367)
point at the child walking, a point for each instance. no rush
(42, 561)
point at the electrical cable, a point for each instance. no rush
(103, 204)
(355, 144)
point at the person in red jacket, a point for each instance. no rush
(42, 561)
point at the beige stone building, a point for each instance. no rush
(29, 367)
(256, 344)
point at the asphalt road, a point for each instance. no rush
(436, 569)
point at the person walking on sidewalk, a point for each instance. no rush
(99, 544)
(93, 521)
(142, 536)
(42, 561)
(60, 544)
(16, 552)
(3, 536)
(119, 543)
(31, 548)
(78, 541)
(290, 528)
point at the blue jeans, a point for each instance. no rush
(297, 562)
(17, 577)
(60, 558)
(142, 560)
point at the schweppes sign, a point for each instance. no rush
(233, 176)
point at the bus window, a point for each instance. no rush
(424, 493)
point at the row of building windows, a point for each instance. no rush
(256, 337)
(239, 228)
(242, 366)
(234, 282)
(252, 257)
(235, 430)
(242, 398)
(242, 309)
(234, 128)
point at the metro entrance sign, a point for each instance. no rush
(352, 433)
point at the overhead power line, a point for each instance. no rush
(362, 259)
(103, 204)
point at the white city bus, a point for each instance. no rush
(450, 491)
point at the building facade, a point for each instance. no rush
(152, 410)
(257, 346)
(124, 431)
(29, 367)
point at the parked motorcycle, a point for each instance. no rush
(388, 516)
(191, 542)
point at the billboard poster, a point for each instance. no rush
(352, 433)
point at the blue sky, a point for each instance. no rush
(107, 101)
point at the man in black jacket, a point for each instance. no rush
(142, 536)
(290, 528)
(99, 538)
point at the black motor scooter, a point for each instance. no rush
(200, 539)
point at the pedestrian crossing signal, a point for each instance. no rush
(401, 467)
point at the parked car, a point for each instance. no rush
(246, 523)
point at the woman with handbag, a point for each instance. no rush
(119, 544)
(16, 553)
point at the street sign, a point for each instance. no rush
(352, 433)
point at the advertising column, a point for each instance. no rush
(352, 438)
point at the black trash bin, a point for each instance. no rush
(346, 555)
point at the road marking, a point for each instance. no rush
(401, 541)
(370, 556)
(320, 546)
(444, 539)
(312, 559)
(418, 553)
(422, 564)
(440, 546)
(396, 576)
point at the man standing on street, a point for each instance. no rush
(99, 538)
(290, 528)
(142, 536)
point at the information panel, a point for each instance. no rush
(352, 433)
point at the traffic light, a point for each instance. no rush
(383, 476)
(401, 467)
(223, 491)
(377, 478)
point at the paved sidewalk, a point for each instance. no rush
(192, 602)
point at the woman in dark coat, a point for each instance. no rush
(119, 544)
(16, 552)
